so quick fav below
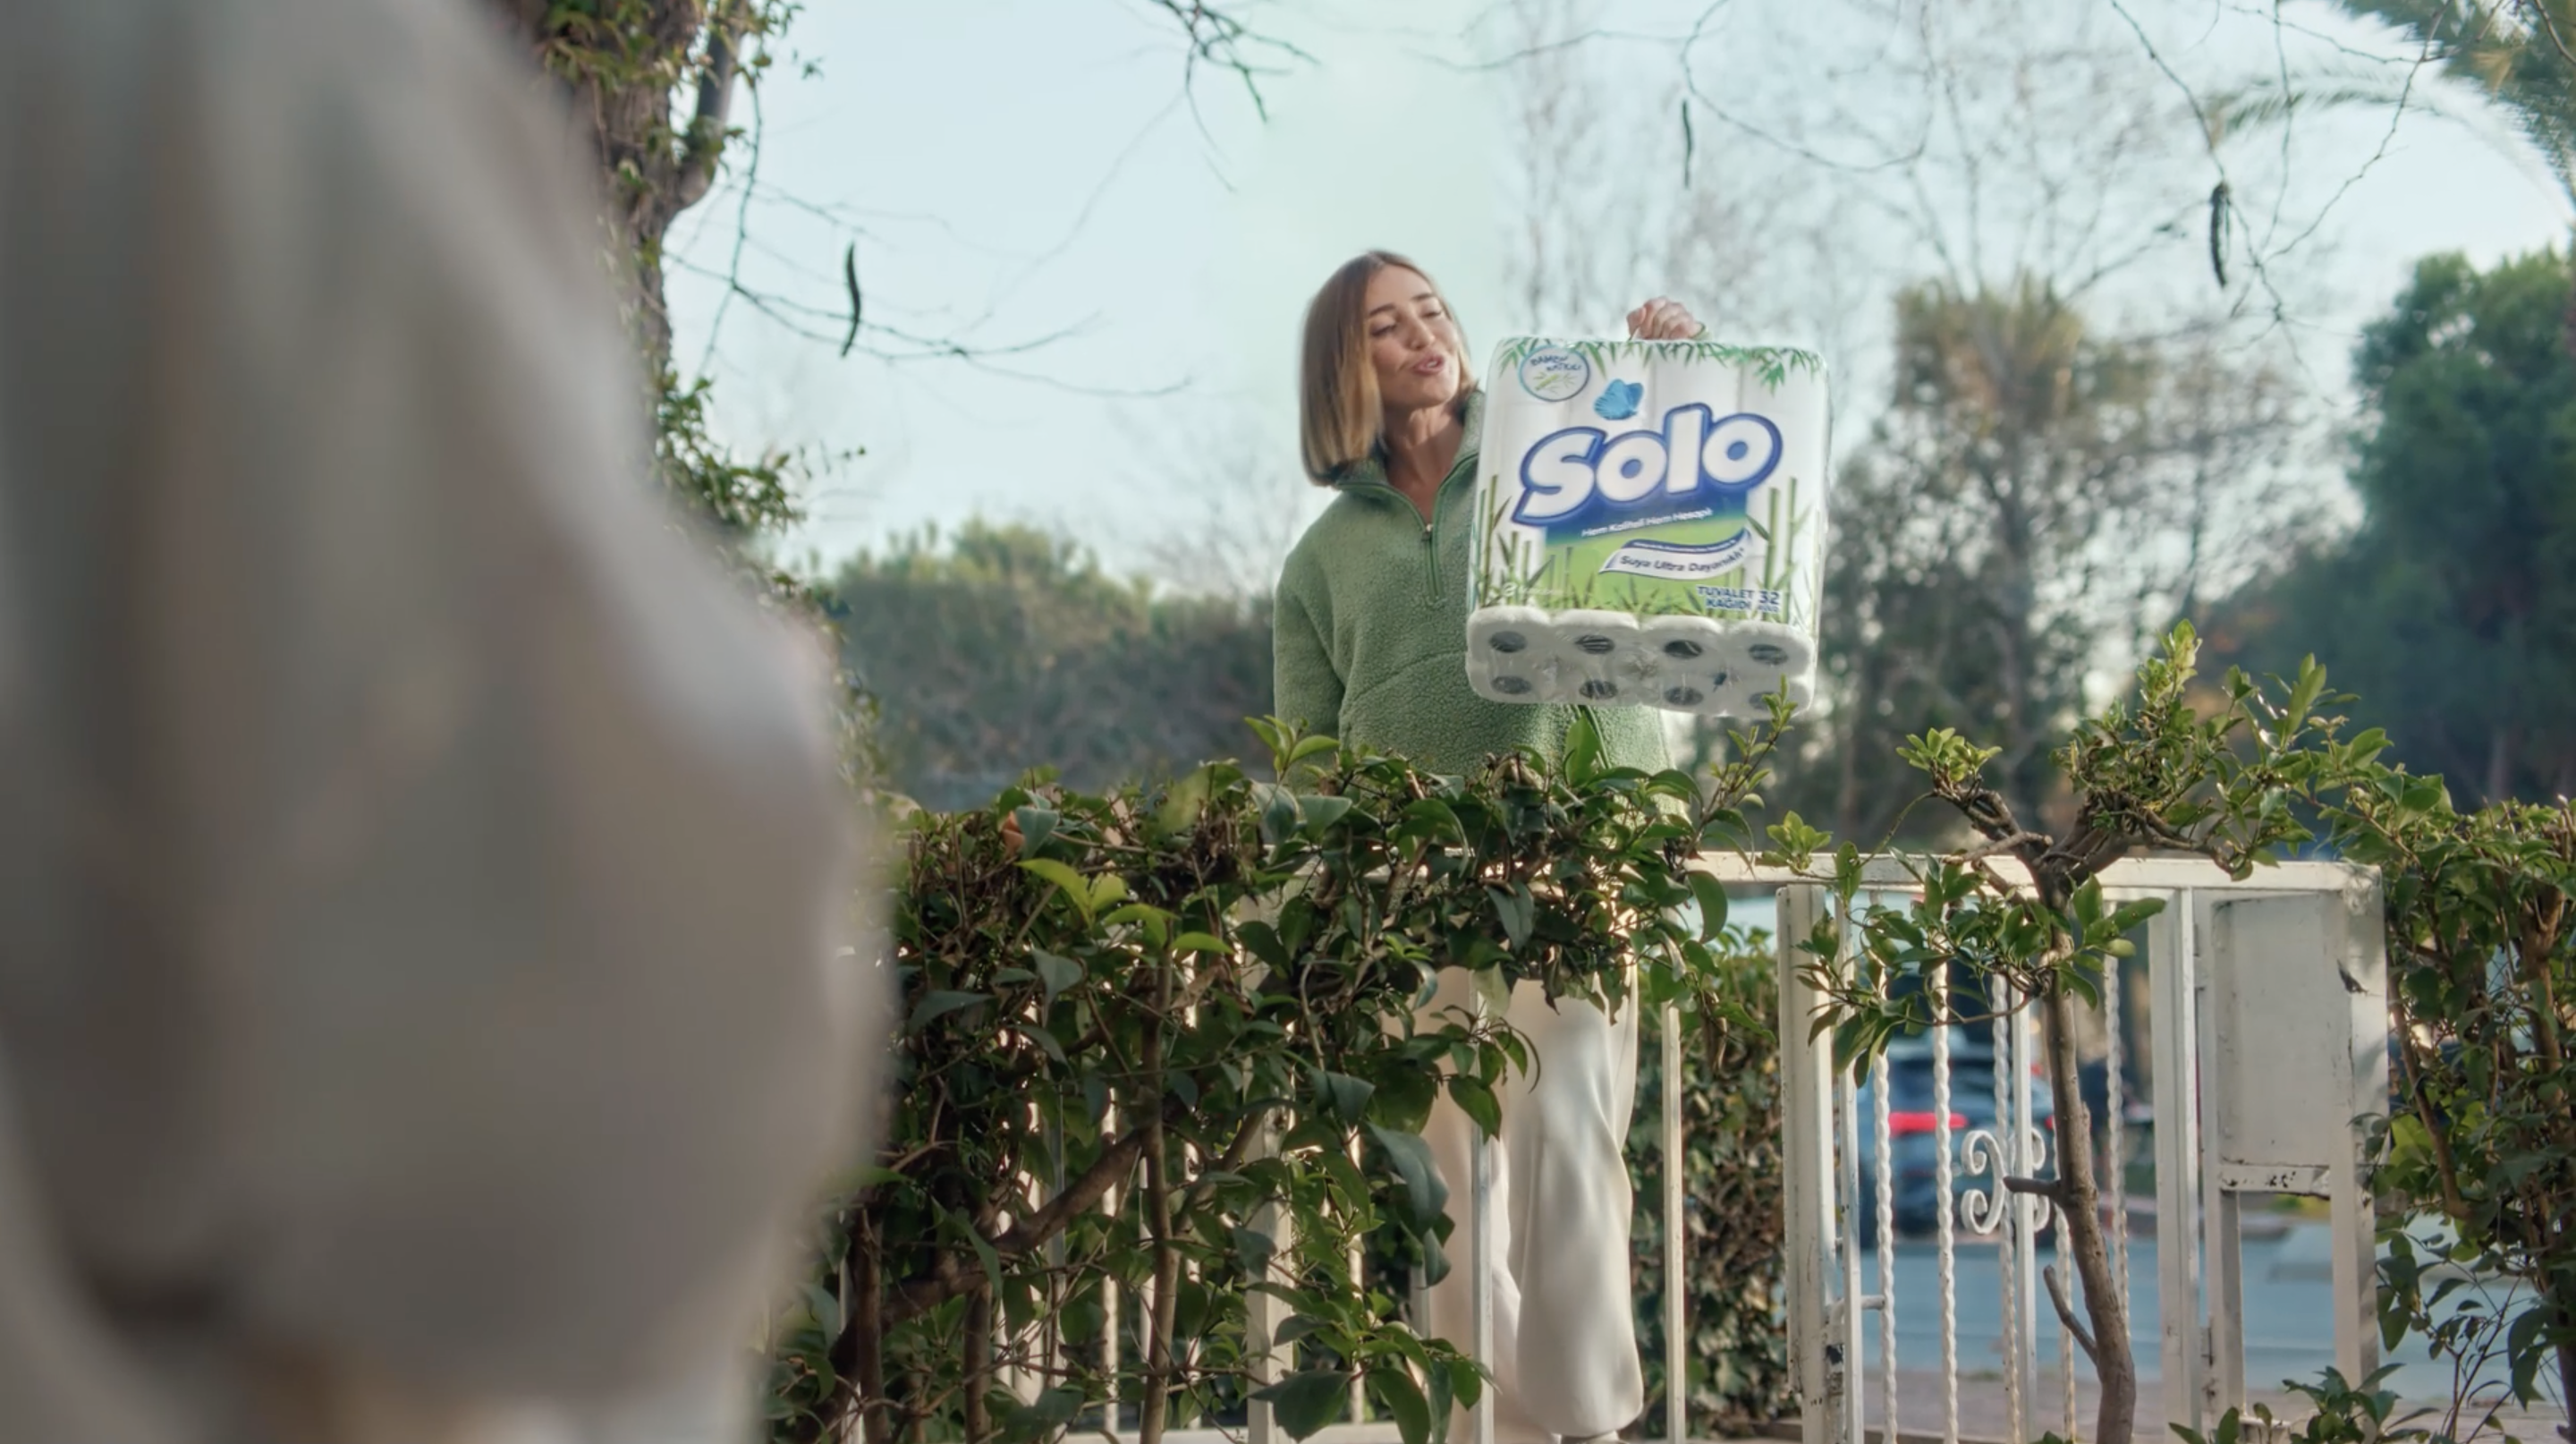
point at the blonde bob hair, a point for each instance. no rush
(1340, 420)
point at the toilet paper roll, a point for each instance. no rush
(1679, 663)
(1595, 635)
(1601, 657)
(1769, 644)
(1523, 677)
(1737, 667)
(1510, 635)
(1678, 646)
(1511, 654)
(1753, 660)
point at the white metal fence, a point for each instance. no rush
(2269, 1038)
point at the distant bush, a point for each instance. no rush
(999, 649)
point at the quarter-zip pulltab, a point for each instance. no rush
(1431, 549)
(1461, 477)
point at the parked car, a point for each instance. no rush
(1914, 1132)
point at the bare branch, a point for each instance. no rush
(1218, 38)
(2066, 1315)
(2547, 24)
(1235, 1153)
(2001, 844)
(2396, 115)
(952, 1276)
(797, 319)
(2051, 1189)
(742, 216)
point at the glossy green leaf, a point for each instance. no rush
(1043, 1416)
(1582, 747)
(1478, 1102)
(1516, 910)
(1424, 1193)
(1055, 972)
(1037, 829)
(1066, 880)
(1322, 812)
(1395, 1391)
(1311, 747)
(1344, 1097)
(1303, 1403)
(939, 1003)
(1711, 897)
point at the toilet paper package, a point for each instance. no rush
(1650, 521)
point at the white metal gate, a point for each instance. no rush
(2277, 984)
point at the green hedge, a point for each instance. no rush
(1200, 997)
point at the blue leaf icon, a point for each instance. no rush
(1619, 400)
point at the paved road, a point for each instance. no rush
(2288, 1335)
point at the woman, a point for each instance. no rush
(1369, 644)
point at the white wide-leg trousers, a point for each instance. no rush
(1565, 1344)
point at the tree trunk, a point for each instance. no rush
(867, 1327)
(1156, 1396)
(2080, 1214)
(979, 1368)
(651, 167)
(1159, 1369)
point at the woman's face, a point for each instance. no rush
(1412, 342)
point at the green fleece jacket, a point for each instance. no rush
(1369, 636)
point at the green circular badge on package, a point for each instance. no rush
(1553, 373)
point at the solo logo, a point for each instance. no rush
(1582, 479)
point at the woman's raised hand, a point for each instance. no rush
(1662, 319)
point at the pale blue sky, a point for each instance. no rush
(1013, 170)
